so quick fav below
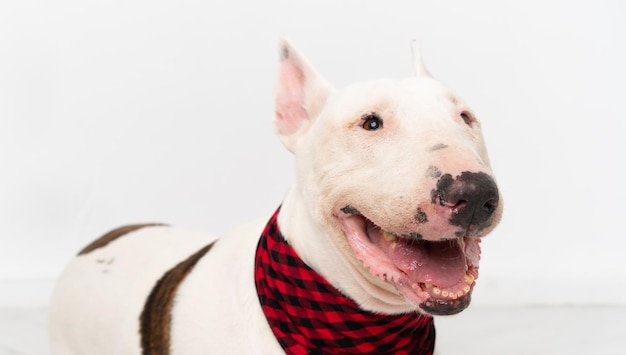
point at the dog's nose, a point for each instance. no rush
(472, 198)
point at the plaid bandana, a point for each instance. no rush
(309, 316)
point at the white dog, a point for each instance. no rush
(380, 230)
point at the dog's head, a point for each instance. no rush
(396, 176)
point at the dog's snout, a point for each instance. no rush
(472, 198)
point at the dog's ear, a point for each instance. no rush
(300, 95)
(419, 69)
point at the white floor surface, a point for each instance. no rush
(478, 330)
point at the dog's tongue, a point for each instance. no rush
(438, 263)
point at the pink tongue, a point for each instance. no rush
(441, 264)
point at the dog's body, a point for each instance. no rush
(102, 294)
(393, 191)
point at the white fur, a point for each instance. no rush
(97, 300)
(216, 310)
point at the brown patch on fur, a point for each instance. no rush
(113, 235)
(156, 317)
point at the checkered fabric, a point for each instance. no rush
(310, 316)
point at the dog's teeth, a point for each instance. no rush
(468, 278)
(389, 237)
(394, 244)
(436, 291)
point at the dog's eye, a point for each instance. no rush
(467, 118)
(372, 122)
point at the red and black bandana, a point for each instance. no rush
(309, 316)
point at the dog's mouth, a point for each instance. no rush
(437, 277)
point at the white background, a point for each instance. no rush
(115, 112)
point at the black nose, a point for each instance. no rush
(473, 198)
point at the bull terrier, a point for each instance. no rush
(380, 231)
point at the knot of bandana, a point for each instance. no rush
(309, 316)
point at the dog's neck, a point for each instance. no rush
(308, 315)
